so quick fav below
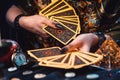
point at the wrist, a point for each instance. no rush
(16, 21)
(101, 37)
(94, 38)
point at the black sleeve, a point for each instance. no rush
(4, 27)
(111, 19)
(5, 5)
(111, 6)
(28, 6)
(112, 11)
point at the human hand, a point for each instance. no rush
(82, 42)
(35, 24)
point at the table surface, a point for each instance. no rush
(59, 74)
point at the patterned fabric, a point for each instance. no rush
(111, 52)
(89, 15)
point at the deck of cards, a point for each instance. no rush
(51, 57)
(64, 15)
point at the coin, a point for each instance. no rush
(12, 69)
(39, 75)
(70, 74)
(92, 76)
(27, 72)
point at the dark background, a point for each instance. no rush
(6, 31)
(22, 36)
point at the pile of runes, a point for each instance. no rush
(65, 17)
(52, 57)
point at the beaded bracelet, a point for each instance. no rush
(16, 21)
(101, 37)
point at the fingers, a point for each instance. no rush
(68, 48)
(65, 49)
(48, 22)
(41, 32)
(79, 43)
(72, 46)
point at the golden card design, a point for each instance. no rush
(52, 57)
(73, 26)
(63, 35)
(64, 14)
(69, 26)
(74, 19)
(58, 7)
(49, 7)
(44, 52)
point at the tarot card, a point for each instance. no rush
(59, 61)
(58, 7)
(75, 27)
(72, 19)
(63, 58)
(61, 5)
(63, 35)
(85, 58)
(44, 52)
(49, 6)
(51, 58)
(65, 13)
(55, 65)
(74, 16)
(72, 27)
(60, 11)
(67, 21)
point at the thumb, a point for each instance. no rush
(68, 48)
(76, 43)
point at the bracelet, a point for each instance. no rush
(101, 37)
(16, 21)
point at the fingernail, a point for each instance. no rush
(64, 50)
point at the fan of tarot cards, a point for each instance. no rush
(65, 18)
(52, 57)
